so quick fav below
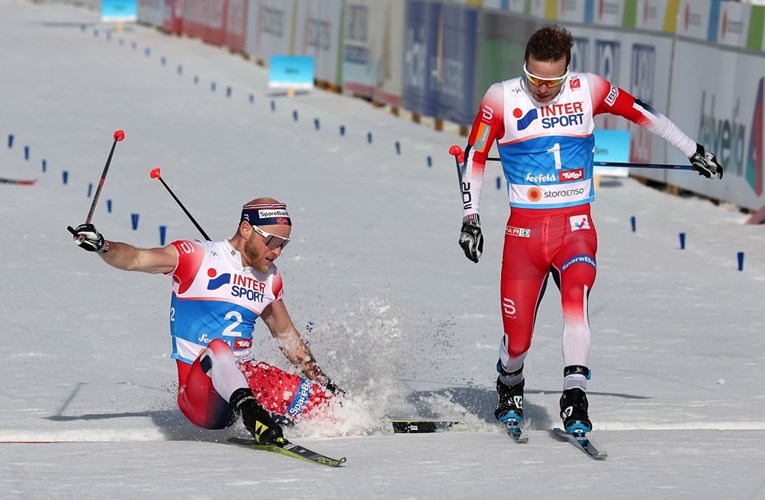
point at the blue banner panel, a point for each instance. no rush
(457, 64)
(421, 36)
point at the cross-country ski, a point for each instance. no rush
(20, 182)
(291, 450)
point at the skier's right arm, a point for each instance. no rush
(486, 128)
(125, 256)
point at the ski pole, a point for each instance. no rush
(155, 174)
(119, 135)
(456, 151)
(458, 154)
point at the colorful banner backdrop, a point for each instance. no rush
(290, 72)
(119, 10)
(612, 146)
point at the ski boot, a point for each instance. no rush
(509, 402)
(256, 419)
(573, 411)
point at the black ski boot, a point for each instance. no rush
(509, 402)
(256, 419)
(573, 411)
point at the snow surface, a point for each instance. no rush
(402, 320)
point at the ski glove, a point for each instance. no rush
(471, 239)
(332, 388)
(705, 163)
(86, 236)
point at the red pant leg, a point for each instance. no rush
(576, 267)
(281, 392)
(525, 265)
(199, 401)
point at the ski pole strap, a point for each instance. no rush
(577, 370)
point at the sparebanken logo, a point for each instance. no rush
(753, 167)
(217, 281)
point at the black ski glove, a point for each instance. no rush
(87, 237)
(705, 163)
(471, 239)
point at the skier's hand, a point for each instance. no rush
(332, 388)
(471, 239)
(705, 163)
(87, 237)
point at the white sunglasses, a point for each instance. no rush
(540, 80)
(272, 241)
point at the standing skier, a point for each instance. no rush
(219, 290)
(543, 125)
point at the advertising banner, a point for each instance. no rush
(204, 19)
(612, 146)
(611, 13)
(152, 12)
(373, 49)
(172, 17)
(730, 124)
(456, 64)
(508, 5)
(317, 33)
(657, 15)
(235, 25)
(501, 46)
(290, 72)
(422, 37)
(733, 24)
(636, 62)
(269, 28)
(572, 11)
(693, 20)
(119, 10)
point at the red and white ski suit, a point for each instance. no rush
(546, 152)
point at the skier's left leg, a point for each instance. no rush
(281, 392)
(574, 272)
